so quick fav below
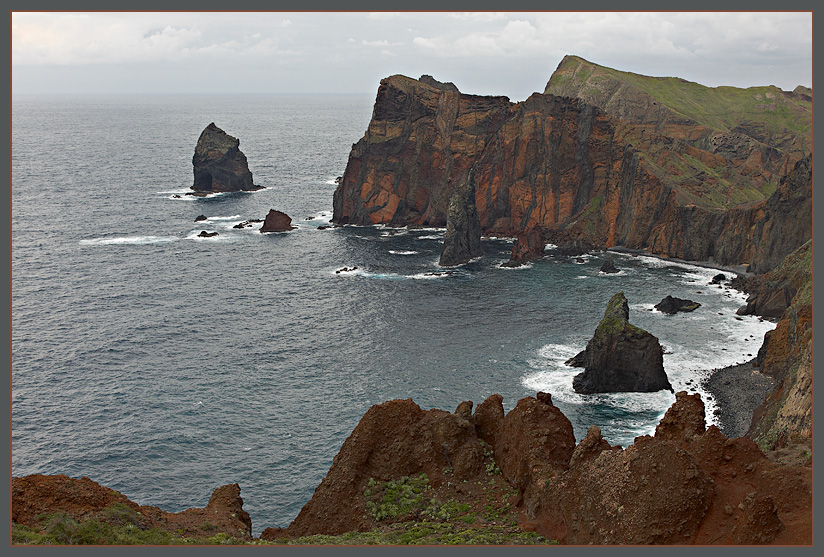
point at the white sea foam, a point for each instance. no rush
(233, 217)
(527, 265)
(221, 237)
(125, 240)
(402, 252)
(391, 276)
(430, 237)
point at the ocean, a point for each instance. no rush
(164, 365)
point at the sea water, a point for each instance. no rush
(164, 365)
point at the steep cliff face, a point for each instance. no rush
(786, 354)
(633, 172)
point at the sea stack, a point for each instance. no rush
(463, 227)
(620, 357)
(528, 245)
(277, 221)
(219, 165)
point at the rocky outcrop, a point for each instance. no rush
(607, 174)
(687, 484)
(393, 439)
(462, 241)
(82, 499)
(528, 245)
(219, 164)
(674, 305)
(532, 443)
(620, 357)
(277, 221)
(608, 267)
(786, 355)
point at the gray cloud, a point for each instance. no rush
(483, 53)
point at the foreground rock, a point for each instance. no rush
(674, 305)
(620, 357)
(84, 499)
(219, 165)
(462, 241)
(687, 484)
(277, 221)
(528, 245)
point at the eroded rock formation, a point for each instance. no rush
(620, 357)
(219, 164)
(462, 241)
(618, 167)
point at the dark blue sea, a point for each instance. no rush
(164, 365)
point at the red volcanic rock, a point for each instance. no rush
(605, 177)
(219, 165)
(84, 499)
(276, 221)
(531, 444)
(685, 485)
(528, 245)
(392, 440)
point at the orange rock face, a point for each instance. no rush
(562, 165)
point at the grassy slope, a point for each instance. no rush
(766, 114)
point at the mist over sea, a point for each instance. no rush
(164, 365)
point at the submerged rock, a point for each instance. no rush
(674, 305)
(219, 165)
(277, 221)
(205, 234)
(620, 357)
(200, 218)
(462, 241)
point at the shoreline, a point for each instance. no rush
(738, 390)
(737, 269)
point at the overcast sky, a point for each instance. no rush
(485, 53)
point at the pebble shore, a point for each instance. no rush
(738, 390)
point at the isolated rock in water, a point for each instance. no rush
(674, 305)
(200, 218)
(204, 234)
(719, 278)
(219, 165)
(277, 221)
(528, 245)
(609, 267)
(462, 241)
(620, 357)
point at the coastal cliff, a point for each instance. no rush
(644, 166)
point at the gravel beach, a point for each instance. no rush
(737, 390)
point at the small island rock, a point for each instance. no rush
(620, 357)
(609, 267)
(528, 245)
(219, 165)
(674, 305)
(277, 221)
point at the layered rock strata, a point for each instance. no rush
(658, 181)
(620, 357)
(219, 164)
